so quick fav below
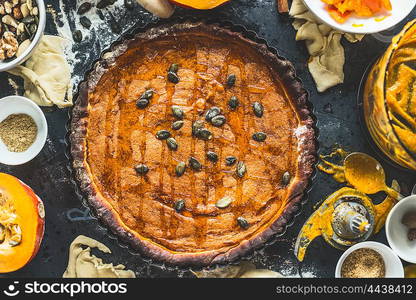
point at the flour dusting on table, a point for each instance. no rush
(97, 38)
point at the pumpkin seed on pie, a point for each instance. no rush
(142, 103)
(195, 164)
(141, 169)
(233, 103)
(173, 77)
(258, 109)
(231, 80)
(218, 121)
(179, 206)
(177, 112)
(241, 169)
(259, 136)
(286, 178)
(243, 222)
(163, 135)
(204, 134)
(174, 68)
(177, 125)
(230, 160)
(172, 144)
(212, 113)
(212, 156)
(224, 202)
(180, 169)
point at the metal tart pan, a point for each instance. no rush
(129, 34)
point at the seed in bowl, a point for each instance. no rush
(18, 26)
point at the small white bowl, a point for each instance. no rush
(21, 105)
(394, 267)
(4, 66)
(401, 9)
(397, 233)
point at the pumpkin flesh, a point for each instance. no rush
(199, 4)
(21, 224)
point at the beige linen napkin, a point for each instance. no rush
(327, 60)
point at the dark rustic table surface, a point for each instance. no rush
(338, 123)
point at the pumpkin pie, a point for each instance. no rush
(193, 143)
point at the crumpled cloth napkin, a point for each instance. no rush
(327, 60)
(244, 269)
(46, 74)
(82, 264)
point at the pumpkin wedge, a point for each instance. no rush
(22, 223)
(199, 4)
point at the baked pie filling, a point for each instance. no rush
(192, 145)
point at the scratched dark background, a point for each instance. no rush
(338, 122)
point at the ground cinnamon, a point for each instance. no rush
(363, 263)
(18, 132)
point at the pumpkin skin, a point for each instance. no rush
(199, 4)
(17, 197)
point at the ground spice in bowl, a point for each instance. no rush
(18, 132)
(363, 263)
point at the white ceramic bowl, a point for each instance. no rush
(401, 9)
(397, 232)
(4, 66)
(21, 105)
(394, 267)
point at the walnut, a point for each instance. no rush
(9, 44)
(17, 13)
(2, 9)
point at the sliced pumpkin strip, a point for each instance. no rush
(341, 10)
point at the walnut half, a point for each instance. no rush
(8, 45)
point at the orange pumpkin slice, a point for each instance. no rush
(200, 4)
(22, 223)
(341, 10)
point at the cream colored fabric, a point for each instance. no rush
(82, 264)
(327, 60)
(46, 74)
(244, 270)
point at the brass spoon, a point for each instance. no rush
(367, 175)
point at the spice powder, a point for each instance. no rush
(363, 263)
(18, 132)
